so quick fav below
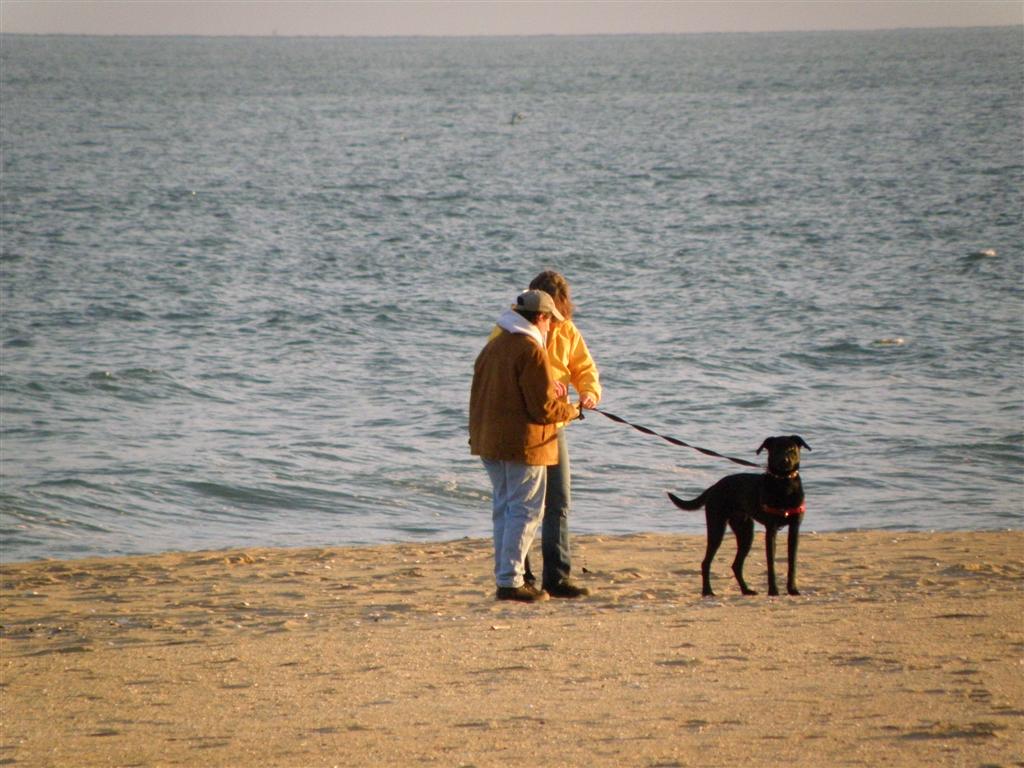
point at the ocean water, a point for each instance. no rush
(244, 280)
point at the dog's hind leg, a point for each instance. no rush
(744, 531)
(770, 532)
(794, 538)
(716, 532)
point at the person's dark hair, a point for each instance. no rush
(530, 314)
(558, 287)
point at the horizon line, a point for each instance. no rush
(465, 36)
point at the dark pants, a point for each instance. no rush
(555, 527)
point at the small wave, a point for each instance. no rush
(70, 482)
(733, 202)
(279, 497)
(104, 312)
(233, 493)
(284, 319)
(848, 352)
(983, 253)
(674, 173)
(750, 403)
(64, 503)
(443, 489)
(141, 385)
(841, 348)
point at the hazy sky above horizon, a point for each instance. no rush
(478, 17)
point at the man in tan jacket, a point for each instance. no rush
(513, 412)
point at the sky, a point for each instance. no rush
(493, 17)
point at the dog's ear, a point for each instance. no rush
(799, 441)
(764, 445)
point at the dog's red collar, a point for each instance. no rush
(787, 476)
(783, 511)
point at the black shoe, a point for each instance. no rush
(523, 594)
(566, 588)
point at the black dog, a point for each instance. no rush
(774, 499)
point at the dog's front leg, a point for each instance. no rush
(744, 541)
(794, 538)
(769, 546)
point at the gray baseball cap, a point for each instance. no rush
(538, 301)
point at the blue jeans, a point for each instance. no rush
(517, 505)
(555, 530)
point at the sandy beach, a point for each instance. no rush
(904, 649)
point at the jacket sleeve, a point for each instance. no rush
(582, 369)
(538, 388)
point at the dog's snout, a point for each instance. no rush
(783, 460)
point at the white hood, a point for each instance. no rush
(513, 322)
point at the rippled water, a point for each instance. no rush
(244, 280)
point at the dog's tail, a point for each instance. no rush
(692, 504)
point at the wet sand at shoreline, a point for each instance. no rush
(903, 649)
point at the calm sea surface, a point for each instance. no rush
(244, 280)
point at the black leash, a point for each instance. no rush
(674, 441)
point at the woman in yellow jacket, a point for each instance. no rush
(571, 364)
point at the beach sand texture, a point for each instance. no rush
(905, 649)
